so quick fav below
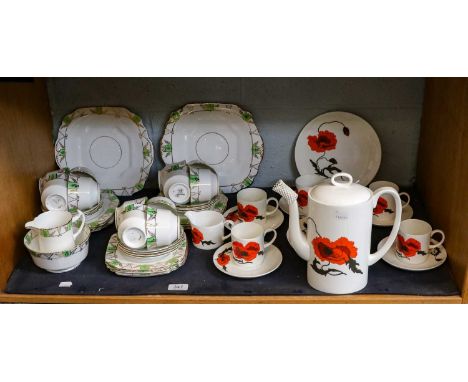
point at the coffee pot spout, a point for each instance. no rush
(295, 236)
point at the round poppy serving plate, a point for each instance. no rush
(223, 260)
(338, 142)
(111, 142)
(221, 135)
(273, 221)
(435, 258)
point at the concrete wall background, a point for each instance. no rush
(281, 107)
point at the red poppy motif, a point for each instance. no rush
(339, 252)
(381, 206)
(223, 259)
(408, 247)
(247, 213)
(324, 141)
(248, 252)
(197, 236)
(233, 216)
(302, 198)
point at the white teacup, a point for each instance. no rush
(414, 240)
(83, 192)
(55, 230)
(54, 195)
(248, 244)
(174, 182)
(252, 205)
(148, 227)
(386, 203)
(208, 228)
(303, 184)
(204, 184)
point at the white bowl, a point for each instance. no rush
(58, 262)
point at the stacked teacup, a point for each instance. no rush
(149, 237)
(69, 190)
(191, 183)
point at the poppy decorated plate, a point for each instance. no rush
(435, 259)
(273, 221)
(224, 261)
(338, 142)
(386, 219)
(221, 135)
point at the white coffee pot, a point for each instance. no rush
(339, 225)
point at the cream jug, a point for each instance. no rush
(339, 225)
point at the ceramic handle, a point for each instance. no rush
(408, 199)
(441, 240)
(374, 257)
(349, 178)
(79, 215)
(228, 224)
(272, 240)
(276, 207)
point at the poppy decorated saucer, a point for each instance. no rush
(272, 221)
(386, 219)
(435, 258)
(223, 260)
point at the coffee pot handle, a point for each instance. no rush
(374, 257)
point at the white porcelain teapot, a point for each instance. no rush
(339, 225)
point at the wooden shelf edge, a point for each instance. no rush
(184, 299)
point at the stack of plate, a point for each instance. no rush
(103, 214)
(125, 261)
(218, 203)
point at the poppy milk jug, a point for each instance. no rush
(339, 225)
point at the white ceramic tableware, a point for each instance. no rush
(248, 244)
(111, 142)
(54, 195)
(221, 135)
(274, 220)
(435, 258)
(125, 265)
(339, 142)
(414, 240)
(174, 182)
(386, 204)
(303, 184)
(55, 230)
(208, 229)
(203, 181)
(223, 260)
(83, 192)
(132, 229)
(252, 205)
(162, 227)
(339, 225)
(104, 215)
(61, 261)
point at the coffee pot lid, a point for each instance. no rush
(339, 193)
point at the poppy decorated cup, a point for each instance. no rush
(252, 205)
(413, 242)
(248, 244)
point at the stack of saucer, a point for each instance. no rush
(125, 261)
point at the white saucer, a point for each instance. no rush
(434, 260)
(271, 221)
(386, 219)
(273, 259)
